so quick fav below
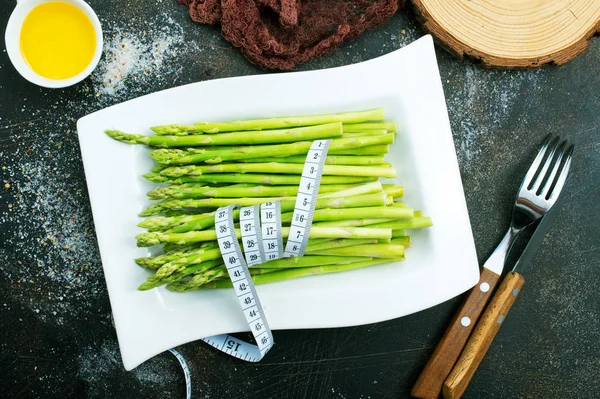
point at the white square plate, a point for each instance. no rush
(441, 264)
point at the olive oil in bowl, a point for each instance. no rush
(57, 40)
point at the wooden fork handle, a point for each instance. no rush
(482, 337)
(430, 382)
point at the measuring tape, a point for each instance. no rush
(186, 373)
(263, 242)
(252, 235)
(306, 200)
(270, 215)
(260, 227)
(242, 284)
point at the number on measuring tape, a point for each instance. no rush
(270, 216)
(306, 200)
(242, 281)
(252, 235)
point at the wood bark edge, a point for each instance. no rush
(463, 50)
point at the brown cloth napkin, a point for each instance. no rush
(278, 34)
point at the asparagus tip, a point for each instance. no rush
(147, 239)
(175, 171)
(165, 157)
(158, 193)
(141, 261)
(180, 287)
(147, 285)
(155, 177)
(168, 129)
(124, 137)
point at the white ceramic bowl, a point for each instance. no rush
(13, 47)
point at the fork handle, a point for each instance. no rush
(430, 382)
(482, 337)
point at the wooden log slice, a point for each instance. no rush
(512, 33)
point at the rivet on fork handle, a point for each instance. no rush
(430, 382)
(489, 324)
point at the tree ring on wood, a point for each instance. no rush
(512, 33)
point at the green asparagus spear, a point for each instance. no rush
(368, 133)
(157, 261)
(289, 274)
(336, 243)
(328, 214)
(270, 123)
(272, 167)
(287, 203)
(370, 150)
(362, 127)
(309, 261)
(402, 240)
(169, 248)
(330, 160)
(198, 280)
(269, 136)
(221, 154)
(391, 251)
(417, 222)
(183, 251)
(200, 191)
(267, 179)
(149, 239)
(182, 224)
(394, 191)
(352, 222)
(153, 281)
(368, 188)
(180, 264)
(202, 278)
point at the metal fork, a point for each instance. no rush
(538, 193)
(537, 196)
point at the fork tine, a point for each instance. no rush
(561, 150)
(562, 177)
(528, 179)
(540, 177)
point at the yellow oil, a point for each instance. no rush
(58, 40)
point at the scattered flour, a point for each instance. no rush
(407, 35)
(134, 58)
(97, 364)
(483, 102)
(49, 256)
(57, 268)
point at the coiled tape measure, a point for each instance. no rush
(263, 242)
(261, 233)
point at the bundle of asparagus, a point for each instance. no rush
(358, 221)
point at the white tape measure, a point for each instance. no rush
(260, 227)
(270, 216)
(186, 373)
(242, 285)
(306, 200)
(252, 235)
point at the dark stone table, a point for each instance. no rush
(56, 337)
